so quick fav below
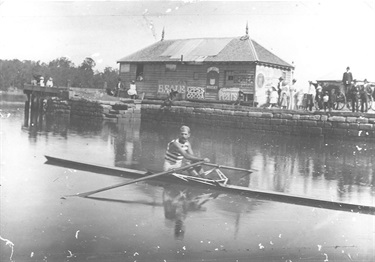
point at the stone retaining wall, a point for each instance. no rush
(334, 124)
(86, 108)
(56, 106)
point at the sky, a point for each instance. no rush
(320, 38)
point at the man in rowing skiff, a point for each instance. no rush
(180, 148)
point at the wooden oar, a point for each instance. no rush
(230, 167)
(85, 194)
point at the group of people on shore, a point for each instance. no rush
(39, 81)
(131, 91)
(357, 92)
(319, 95)
(291, 97)
(284, 96)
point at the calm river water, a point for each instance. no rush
(149, 221)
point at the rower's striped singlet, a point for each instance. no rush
(172, 155)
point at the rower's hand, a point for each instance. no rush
(206, 160)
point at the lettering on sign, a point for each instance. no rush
(244, 79)
(228, 94)
(166, 87)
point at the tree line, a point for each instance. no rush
(15, 73)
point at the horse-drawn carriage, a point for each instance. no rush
(341, 97)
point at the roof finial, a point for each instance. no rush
(246, 36)
(162, 35)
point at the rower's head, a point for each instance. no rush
(184, 133)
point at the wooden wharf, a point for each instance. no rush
(34, 103)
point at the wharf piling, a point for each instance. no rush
(34, 103)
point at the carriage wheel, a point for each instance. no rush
(340, 101)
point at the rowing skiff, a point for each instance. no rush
(219, 184)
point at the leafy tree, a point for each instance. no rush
(86, 73)
(62, 71)
(15, 73)
(110, 76)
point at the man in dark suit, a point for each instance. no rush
(347, 79)
(354, 96)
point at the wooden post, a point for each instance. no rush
(33, 112)
(40, 111)
(27, 111)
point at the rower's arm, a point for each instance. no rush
(190, 150)
(189, 155)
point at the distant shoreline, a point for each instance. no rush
(13, 96)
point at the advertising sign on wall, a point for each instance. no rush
(266, 78)
(212, 86)
(228, 94)
(166, 86)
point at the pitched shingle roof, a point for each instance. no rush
(238, 49)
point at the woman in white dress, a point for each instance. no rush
(292, 95)
(274, 97)
(132, 92)
(284, 95)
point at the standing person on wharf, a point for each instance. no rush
(319, 95)
(347, 79)
(284, 103)
(180, 148)
(311, 92)
(274, 97)
(292, 95)
(364, 92)
(354, 94)
(279, 87)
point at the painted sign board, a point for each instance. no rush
(266, 77)
(228, 94)
(212, 86)
(165, 86)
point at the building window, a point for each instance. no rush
(124, 68)
(196, 76)
(139, 73)
(229, 78)
(170, 67)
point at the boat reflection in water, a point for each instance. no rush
(179, 201)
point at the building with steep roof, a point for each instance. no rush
(205, 68)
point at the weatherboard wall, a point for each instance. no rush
(193, 80)
(209, 81)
